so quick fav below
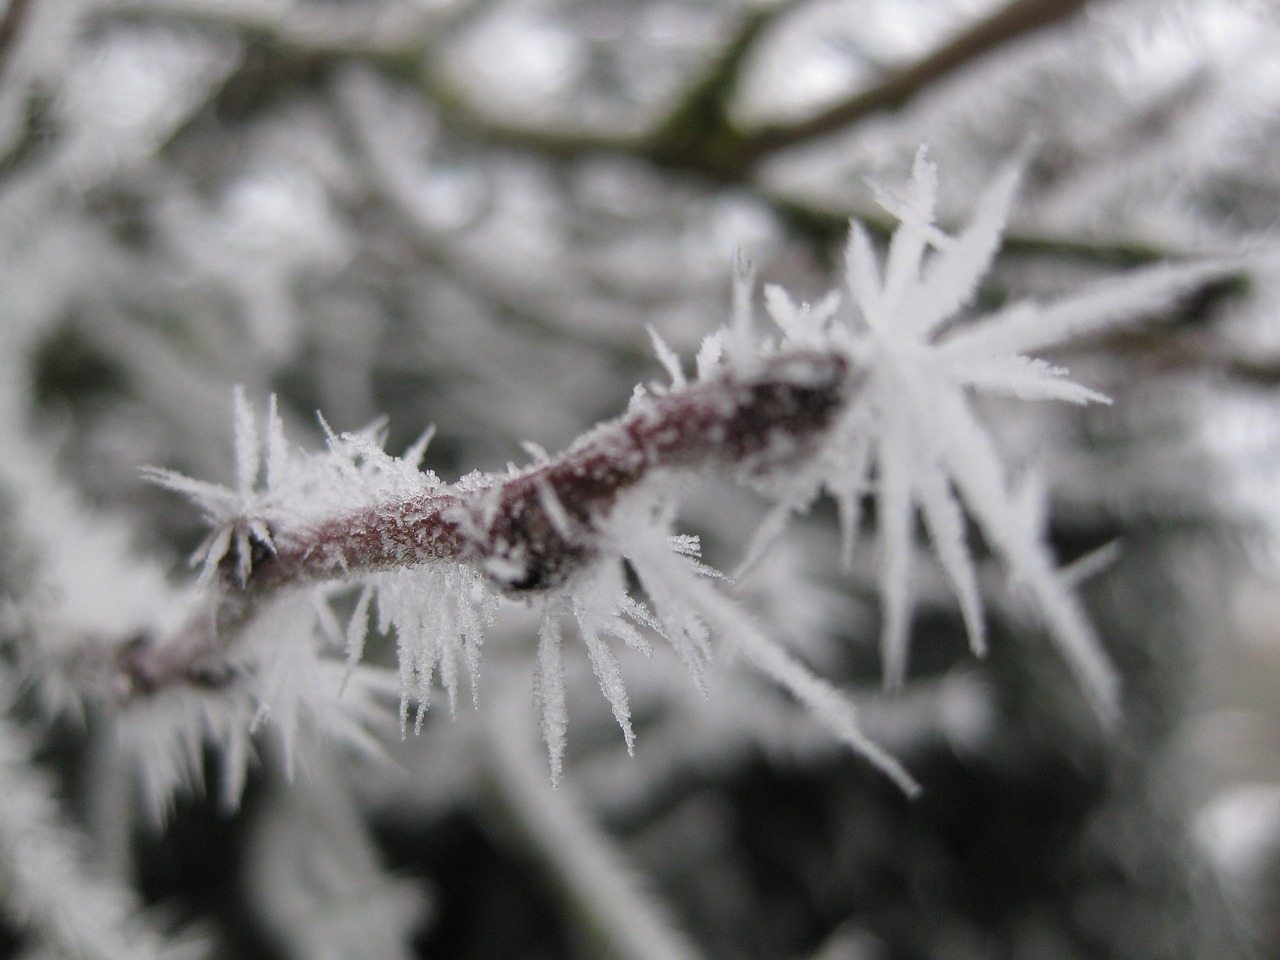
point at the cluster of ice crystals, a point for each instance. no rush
(439, 612)
(905, 431)
(279, 487)
(910, 434)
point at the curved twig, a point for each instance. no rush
(1008, 24)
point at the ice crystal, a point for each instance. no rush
(237, 517)
(910, 434)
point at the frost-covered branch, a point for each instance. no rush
(857, 398)
(533, 529)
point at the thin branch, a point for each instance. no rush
(827, 227)
(1158, 352)
(1010, 23)
(698, 132)
(526, 532)
(548, 138)
(725, 420)
(696, 136)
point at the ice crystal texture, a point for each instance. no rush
(866, 393)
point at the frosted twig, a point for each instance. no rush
(872, 394)
(503, 525)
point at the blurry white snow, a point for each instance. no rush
(135, 89)
(522, 53)
(1241, 831)
(1234, 742)
(1240, 431)
(824, 52)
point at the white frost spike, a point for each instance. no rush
(536, 451)
(439, 612)
(234, 515)
(847, 459)
(687, 608)
(1092, 564)
(948, 282)
(1024, 327)
(358, 627)
(945, 521)
(916, 231)
(418, 449)
(862, 273)
(893, 500)
(277, 447)
(1026, 378)
(798, 497)
(666, 566)
(598, 603)
(709, 354)
(609, 673)
(803, 325)
(669, 359)
(248, 454)
(556, 512)
(828, 705)
(741, 345)
(918, 401)
(549, 690)
(664, 578)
